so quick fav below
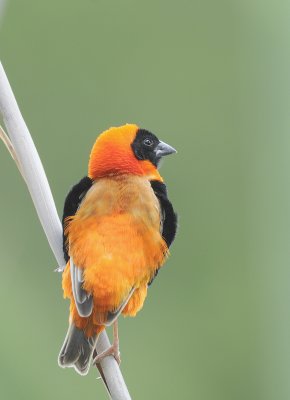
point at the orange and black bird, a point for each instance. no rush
(118, 225)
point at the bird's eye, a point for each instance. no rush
(148, 142)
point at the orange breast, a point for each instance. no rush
(115, 237)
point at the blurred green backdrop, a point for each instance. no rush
(212, 78)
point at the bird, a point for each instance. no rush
(118, 225)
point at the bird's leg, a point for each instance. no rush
(112, 350)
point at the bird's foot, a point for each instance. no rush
(111, 351)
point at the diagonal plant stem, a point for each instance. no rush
(5, 139)
(22, 149)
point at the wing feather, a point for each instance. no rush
(168, 217)
(83, 300)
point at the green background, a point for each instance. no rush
(212, 78)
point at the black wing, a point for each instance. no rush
(83, 300)
(169, 217)
(71, 205)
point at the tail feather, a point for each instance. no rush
(77, 350)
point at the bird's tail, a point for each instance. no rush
(77, 350)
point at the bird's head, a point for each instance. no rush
(127, 150)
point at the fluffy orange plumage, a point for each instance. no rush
(115, 238)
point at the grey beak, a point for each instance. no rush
(163, 149)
